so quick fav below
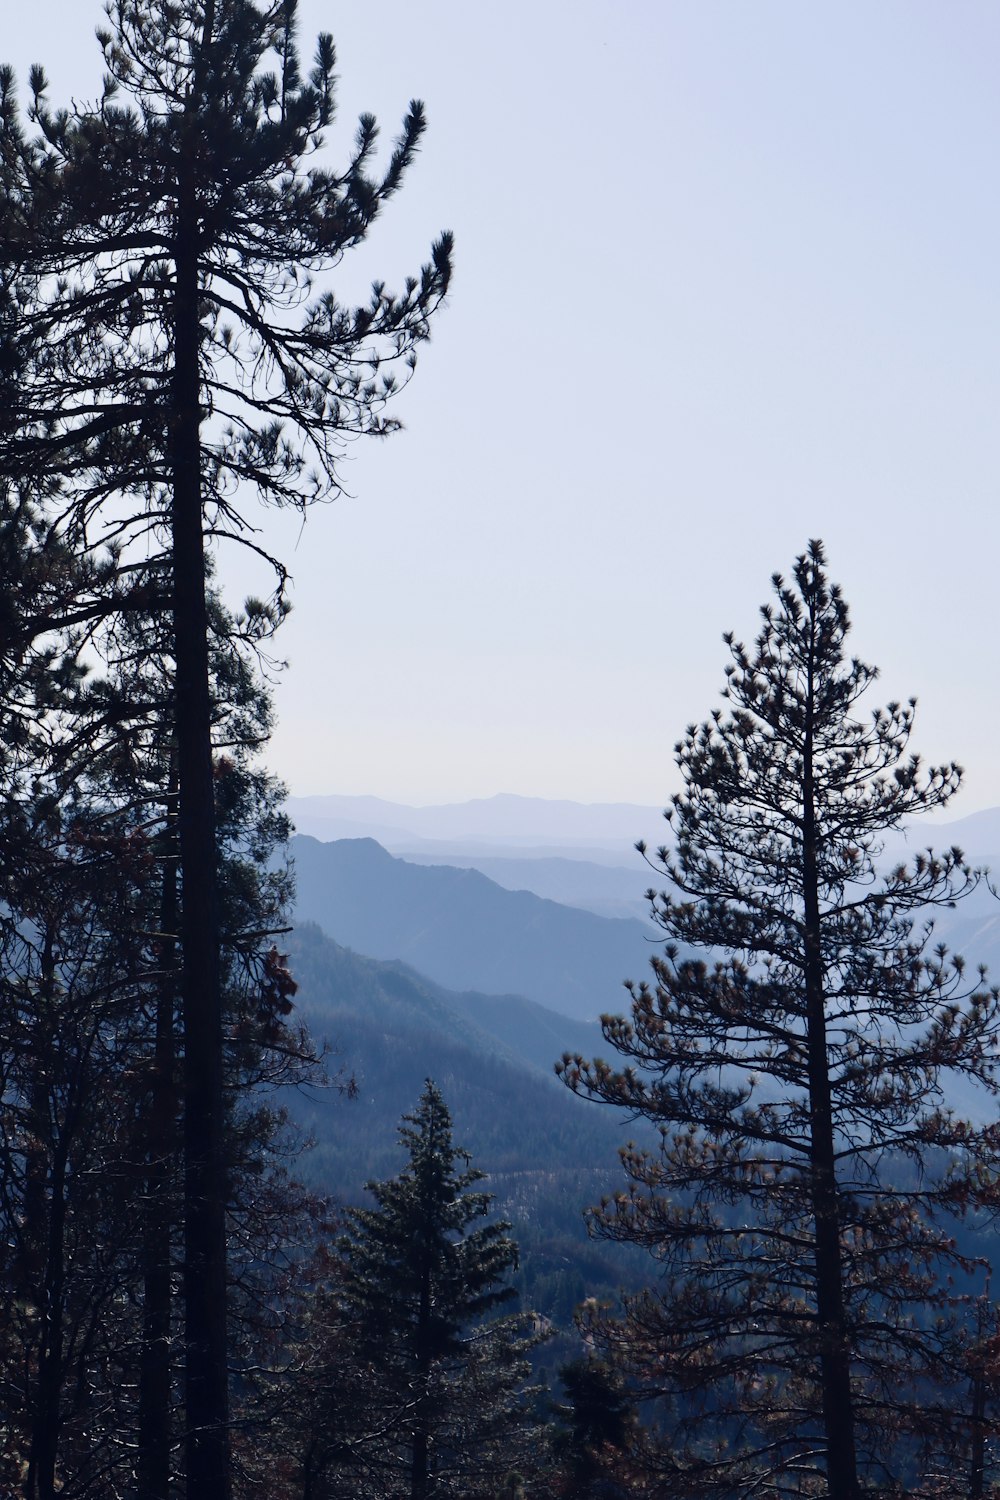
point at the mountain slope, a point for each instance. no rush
(390, 1029)
(605, 889)
(466, 932)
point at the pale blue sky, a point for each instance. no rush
(727, 278)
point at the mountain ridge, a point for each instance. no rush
(505, 818)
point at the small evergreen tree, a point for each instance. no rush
(799, 1075)
(418, 1389)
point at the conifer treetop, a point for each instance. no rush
(204, 143)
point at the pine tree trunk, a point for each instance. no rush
(46, 1426)
(45, 1222)
(418, 1481)
(419, 1450)
(154, 1370)
(206, 1363)
(835, 1365)
(977, 1468)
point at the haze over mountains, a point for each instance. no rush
(583, 855)
(506, 822)
(412, 970)
(502, 825)
(574, 853)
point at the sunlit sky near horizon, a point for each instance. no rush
(727, 278)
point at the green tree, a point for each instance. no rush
(70, 1048)
(799, 1073)
(419, 1388)
(163, 251)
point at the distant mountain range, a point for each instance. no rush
(578, 854)
(509, 820)
(606, 889)
(508, 982)
(489, 923)
(574, 853)
(503, 824)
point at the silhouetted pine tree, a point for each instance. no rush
(163, 249)
(799, 1072)
(595, 1428)
(90, 1199)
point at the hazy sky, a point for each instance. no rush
(728, 277)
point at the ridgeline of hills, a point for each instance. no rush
(492, 1056)
(411, 971)
(605, 889)
(583, 855)
(505, 823)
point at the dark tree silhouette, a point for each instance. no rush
(89, 1189)
(170, 353)
(594, 1430)
(799, 1072)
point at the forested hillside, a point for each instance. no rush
(390, 1028)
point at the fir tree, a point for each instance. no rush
(419, 1389)
(799, 1074)
(594, 1430)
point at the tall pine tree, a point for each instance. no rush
(163, 243)
(799, 1070)
(89, 1193)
